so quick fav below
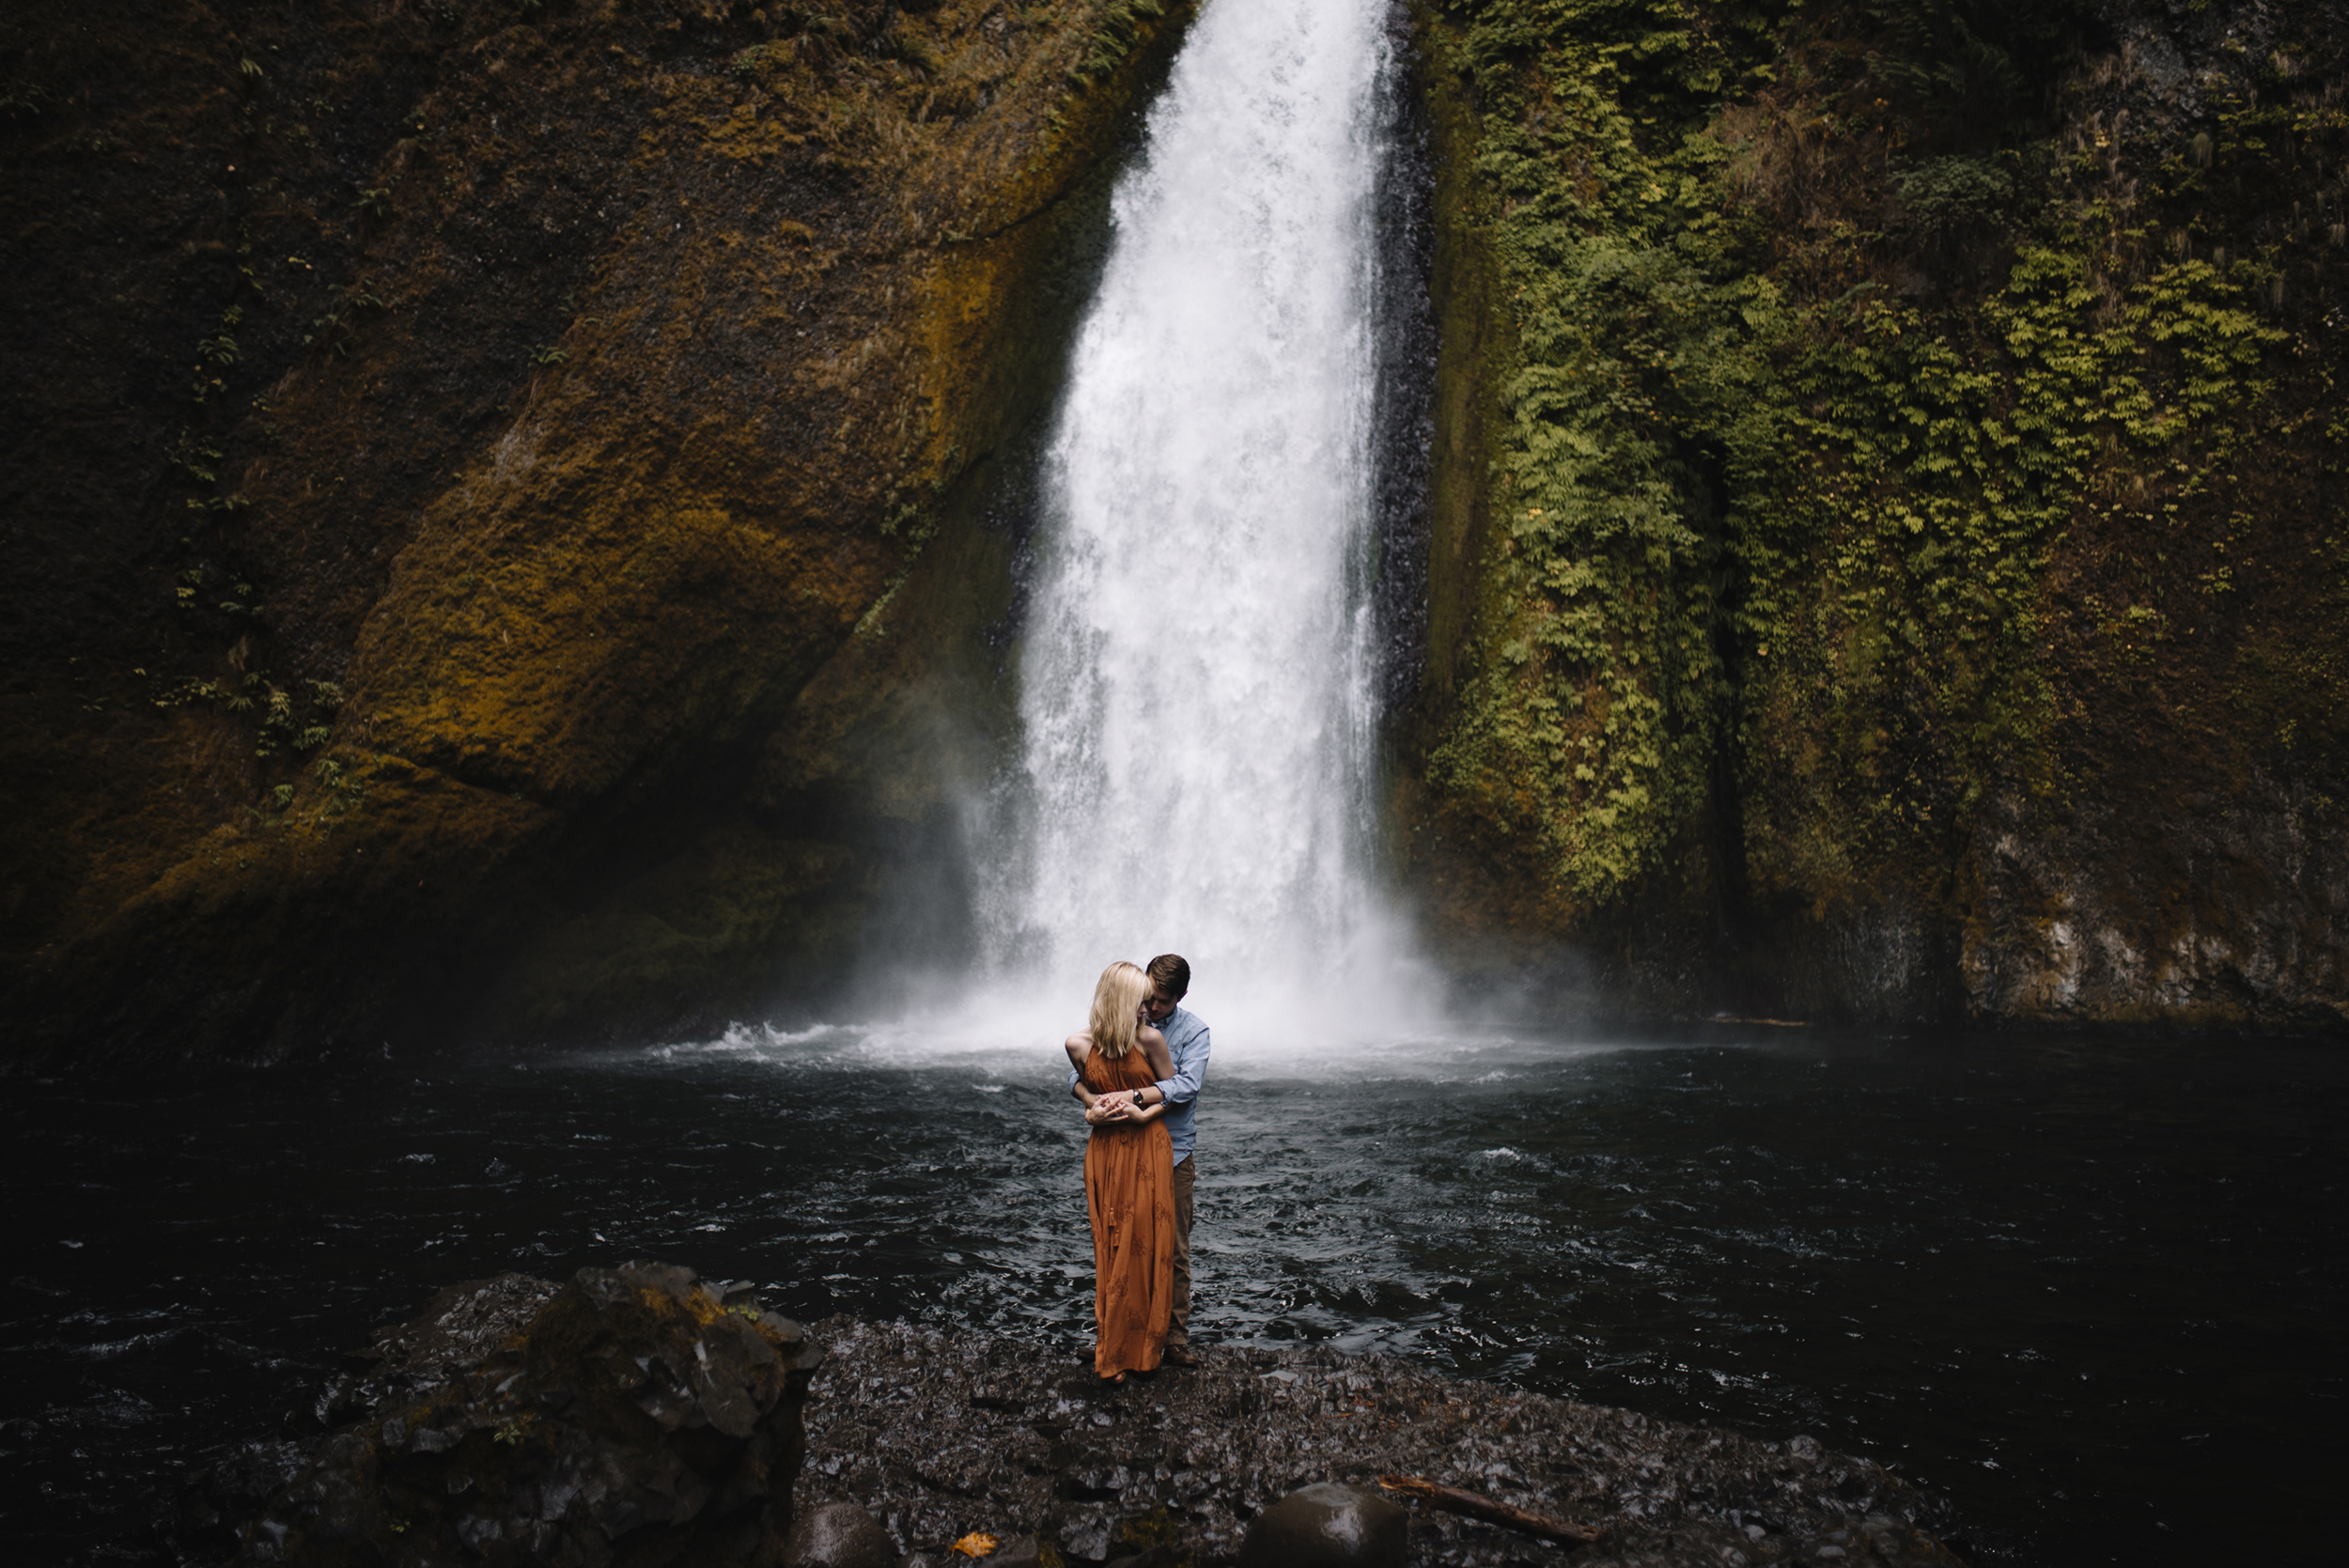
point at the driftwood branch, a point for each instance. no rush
(1452, 1499)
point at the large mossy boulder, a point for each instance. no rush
(642, 1414)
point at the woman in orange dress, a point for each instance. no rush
(1129, 1177)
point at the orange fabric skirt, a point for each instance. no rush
(1130, 1195)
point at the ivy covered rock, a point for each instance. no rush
(1883, 562)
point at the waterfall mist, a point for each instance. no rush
(1201, 662)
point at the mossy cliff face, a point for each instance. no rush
(496, 491)
(1887, 498)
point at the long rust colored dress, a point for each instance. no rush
(1130, 1193)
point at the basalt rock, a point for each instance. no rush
(201, 1515)
(638, 1414)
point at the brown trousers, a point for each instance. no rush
(1186, 1178)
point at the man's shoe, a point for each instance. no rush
(1179, 1355)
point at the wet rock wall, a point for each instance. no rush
(1886, 553)
(510, 497)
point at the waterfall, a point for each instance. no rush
(1198, 681)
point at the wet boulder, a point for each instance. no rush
(640, 1414)
(839, 1535)
(1326, 1525)
(198, 1514)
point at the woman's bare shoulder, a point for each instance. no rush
(1079, 1045)
(1145, 1037)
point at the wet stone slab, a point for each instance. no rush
(943, 1432)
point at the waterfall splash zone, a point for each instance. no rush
(2093, 1290)
(1205, 634)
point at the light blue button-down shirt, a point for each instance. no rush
(1187, 1043)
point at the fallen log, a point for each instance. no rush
(1452, 1500)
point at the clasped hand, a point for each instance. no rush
(1117, 1106)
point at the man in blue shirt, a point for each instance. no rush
(1187, 1043)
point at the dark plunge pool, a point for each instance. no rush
(2094, 1289)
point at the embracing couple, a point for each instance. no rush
(1137, 1068)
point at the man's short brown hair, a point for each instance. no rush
(1171, 974)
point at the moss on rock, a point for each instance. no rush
(1839, 351)
(578, 393)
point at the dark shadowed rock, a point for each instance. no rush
(199, 1514)
(1326, 1525)
(839, 1535)
(1023, 1551)
(459, 1327)
(640, 1414)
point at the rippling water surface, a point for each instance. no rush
(2095, 1290)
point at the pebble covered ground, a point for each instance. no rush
(943, 1432)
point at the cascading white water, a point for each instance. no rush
(1197, 690)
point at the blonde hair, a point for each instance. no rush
(1116, 1007)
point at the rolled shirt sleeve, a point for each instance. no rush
(1191, 1070)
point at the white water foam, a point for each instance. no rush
(1015, 1045)
(1198, 694)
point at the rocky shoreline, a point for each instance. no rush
(939, 1433)
(555, 1435)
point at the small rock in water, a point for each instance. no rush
(1326, 1525)
(839, 1535)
